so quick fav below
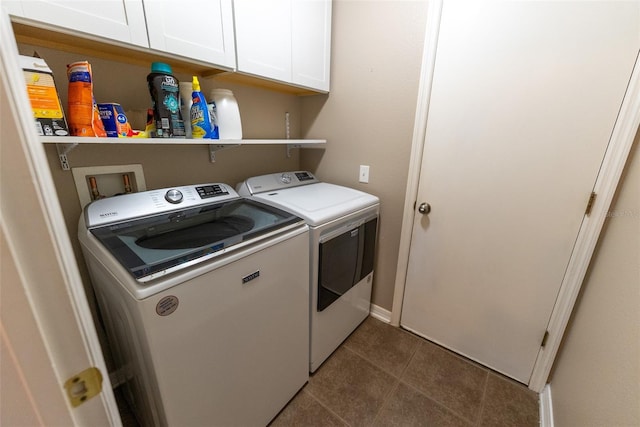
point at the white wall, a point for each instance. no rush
(596, 377)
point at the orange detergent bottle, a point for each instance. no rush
(84, 118)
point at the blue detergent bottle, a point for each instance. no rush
(200, 122)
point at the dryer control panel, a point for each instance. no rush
(275, 181)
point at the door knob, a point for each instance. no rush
(424, 208)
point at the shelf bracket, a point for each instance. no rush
(217, 147)
(290, 147)
(63, 150)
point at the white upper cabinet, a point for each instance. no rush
(311, 43)
(117, 20)
(13, 7)
(285, 40)
(195, 29)
(263, 37)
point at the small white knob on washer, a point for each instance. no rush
(285, 178)
(173, 196)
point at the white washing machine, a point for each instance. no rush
(343, 227)
(204, 296)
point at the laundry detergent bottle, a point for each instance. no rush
(200, 123)
(165, 96)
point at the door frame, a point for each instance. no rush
(33, 225)
(620, 143)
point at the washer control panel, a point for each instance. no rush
(213, 190)
(134, 205)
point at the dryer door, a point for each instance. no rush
(344, 260)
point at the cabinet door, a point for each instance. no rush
(263, 37)
(196, 29)
(13, 7)
(311, 43)
(117, 20)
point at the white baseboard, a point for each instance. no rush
(380, 313)
(546, 407)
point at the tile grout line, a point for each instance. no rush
(364, 356)
(423, 341)
(321, 403)
(385, 401)
(387, 397)
(440, 404)
(484, 400)
(413, 355)
(488, 372)
(400, 380)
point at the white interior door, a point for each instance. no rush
(525, 95)
(47, 335)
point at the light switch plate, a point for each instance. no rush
(364, 174)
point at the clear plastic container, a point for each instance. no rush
(185, 106)
(227, 114)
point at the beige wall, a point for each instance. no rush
(596, 377)
(368, 117)
(262, 112)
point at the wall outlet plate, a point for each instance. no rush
(109, 180)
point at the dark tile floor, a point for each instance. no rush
(385, 376)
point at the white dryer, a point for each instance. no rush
(343, 226)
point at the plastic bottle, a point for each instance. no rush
(227, 114)
(213, 117)
(200, 123)
(185, 106)
(165, 97)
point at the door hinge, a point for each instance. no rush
(592, 200)
(83, 386)
(544, 338)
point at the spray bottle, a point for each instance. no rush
(200, 122)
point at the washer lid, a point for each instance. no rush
(319, 203)
(153, 246)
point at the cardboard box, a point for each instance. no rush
(43, 96)
(115, 120)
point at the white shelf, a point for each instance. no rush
(65, 144)
(90, 140)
